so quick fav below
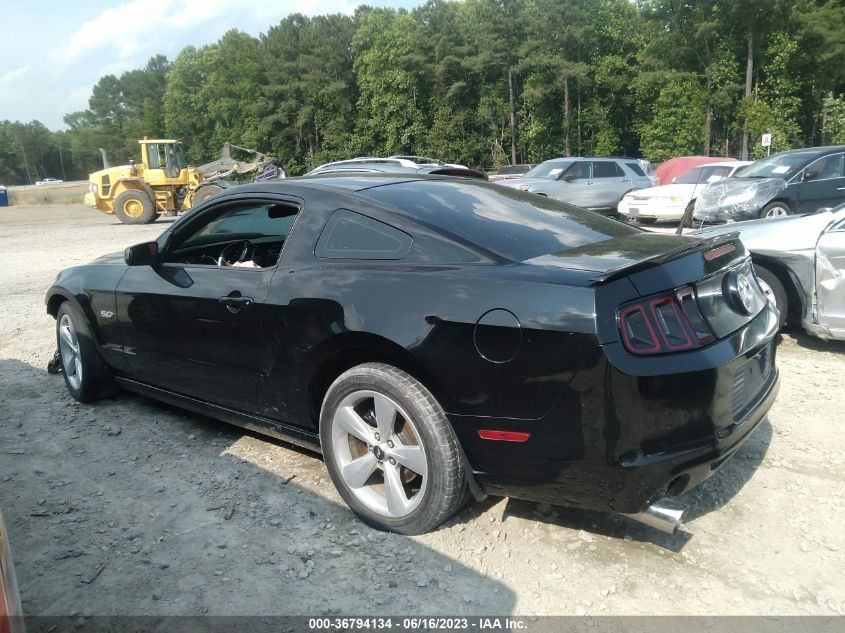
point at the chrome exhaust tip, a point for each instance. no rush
(665, 514)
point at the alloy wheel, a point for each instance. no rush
(777, 212)
(69, 351)
(379, 453)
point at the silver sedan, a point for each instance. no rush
(800, 263)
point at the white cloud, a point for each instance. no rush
(14, 74)
(137, 25)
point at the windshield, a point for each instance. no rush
(706, 174)
(783, 166)
(550, 170)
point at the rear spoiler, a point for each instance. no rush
(461, 172)
(704, 244)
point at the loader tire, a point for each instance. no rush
(204, 193)
(134, 207)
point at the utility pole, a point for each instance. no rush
(25, 162)
(62, 162)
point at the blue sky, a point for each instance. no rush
(53, 52)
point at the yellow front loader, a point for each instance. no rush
(138, 193)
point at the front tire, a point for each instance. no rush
(134, 207)
(85, 374)
(390, 450)
(774, 291)
(776, 210)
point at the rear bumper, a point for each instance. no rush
(627, 487)
(623, 440)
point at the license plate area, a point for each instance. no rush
(751, 380)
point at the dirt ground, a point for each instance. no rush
(127, 506)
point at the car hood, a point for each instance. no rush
(110, 258)
(736, 198)
(790, 233)
(523, 182)
(683, 192)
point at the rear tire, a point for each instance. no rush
(86, 376)
(134, 207)
(774, 291)
(204, 193)
(390, 450)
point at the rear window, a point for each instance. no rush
(509, 223)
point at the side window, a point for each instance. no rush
(350, 235)
(266, 222)
(826, 167)
(578, 171)
(606, 169)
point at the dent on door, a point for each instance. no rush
(830, 281)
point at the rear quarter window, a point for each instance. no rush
(511, 224)
(350, 235)
(634, 167)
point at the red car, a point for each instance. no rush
(10, 602)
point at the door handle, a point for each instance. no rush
(234, 301)
(840, 188)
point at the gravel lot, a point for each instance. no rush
(127, 506)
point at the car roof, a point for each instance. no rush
(815, 151)
(725, 163)
(339, 181)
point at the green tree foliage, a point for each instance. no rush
(677, 121)
(307, 105)
(393, 80)
(211, 96)
(481, 82)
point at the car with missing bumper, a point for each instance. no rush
(431, 335)
(800, 264)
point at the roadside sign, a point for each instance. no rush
(767, 140)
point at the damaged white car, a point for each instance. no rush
(800, 263)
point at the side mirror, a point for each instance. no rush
(569, 177)
(145, 254)
(809, 175)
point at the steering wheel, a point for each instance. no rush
(236, 253)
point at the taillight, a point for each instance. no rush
(667, 323)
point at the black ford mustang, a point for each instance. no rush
(432, 336)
